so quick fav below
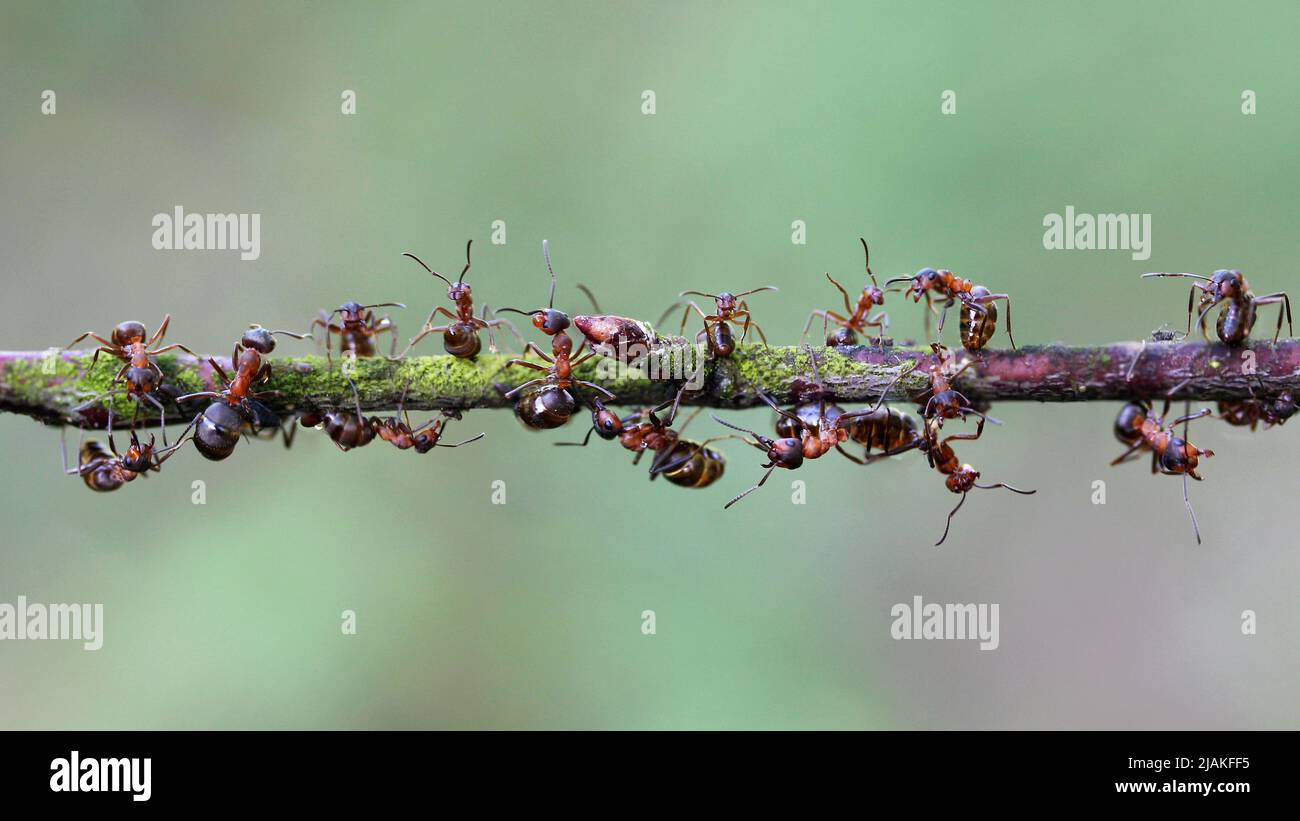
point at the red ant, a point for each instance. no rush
(681, 462)
(104, 469)
(855, 320)
(397, 429)
(140, 372)
(944, 401)
(1250, 412)
(730, 308)
(1140, 429)
(460, 338)
(219, 426)
(358, 329)
(960, 477)
(556, 400)
(1238, 317)
(979, 314)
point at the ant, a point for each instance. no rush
(397, 430)
(220, 425)
(1250, 412)
(945, 401)
(1140, 429)
(557, 402)
(1238, 317)
(358, 329)
(960, 477)
(717, 329)
(855, 319)
(681, 462)
(979, 314)
(460, 338)
(140, 372)
(104, 469)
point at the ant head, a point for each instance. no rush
(726, 302)
(925, 280)
(1226, 284)
(786, 452)
(874, 294)
(962, 479)
(128, 333)
(1283, 406)
(459, 292)
(350, 311)
(550, 321)
(139, 456)
(259, 339)
(606, 423)
(141, 380)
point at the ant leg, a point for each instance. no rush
(848, 306)
(594, 387)
(771, 403)
(752, 489)
(979, 431)
(161, 332)
(466, 442)
(1007, 299)
(881, 321)
(101, 340)
(1203, 412)
(849, 456)
(511, 393)
(531, 347)
(686, 314)
(943, 315)
(949, 524)
(162, 416)
(1128, 454)
(808, 324)
(1283, 309)
(1128, 377)
(220, 371)
(428, 329)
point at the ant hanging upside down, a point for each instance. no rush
(1140, 429)
(104, 469)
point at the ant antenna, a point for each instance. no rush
(591, 296)
(756, 290)
(757, 436)
(1184, 274)
(546, 254)
(467, 263)
(430, 270)
(698, 293)
(866, 252)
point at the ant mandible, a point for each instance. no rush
(397, 429)
(729, 308)
(563, 358)
(1237, 317)
(1140, 429)
(358, 329)
(140, 372)
(855, 320)
(979, 314)
(460, 338)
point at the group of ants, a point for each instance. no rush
(811, 429)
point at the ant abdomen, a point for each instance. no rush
(218, 431)
(99, 471)
(721, 341)
(841, 336)
(461, 340)
(1128, 422)
(348, 430)
(701, 468)
(977, 325)
(545, 409)
(1235, 322)
(128, 332)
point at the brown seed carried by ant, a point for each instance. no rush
(856, 318)
(978, 312)
(460, 337)
(729, 309)
(1238, 316)
(357, 328)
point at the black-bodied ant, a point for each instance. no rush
(1237, 317)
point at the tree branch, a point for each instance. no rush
(50, 385)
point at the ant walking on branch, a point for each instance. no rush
(979, 314)
(1237, 317)
(460, 338)
(729, 308)
(855, 319)
(357, 328)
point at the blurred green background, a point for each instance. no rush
(771, 614)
